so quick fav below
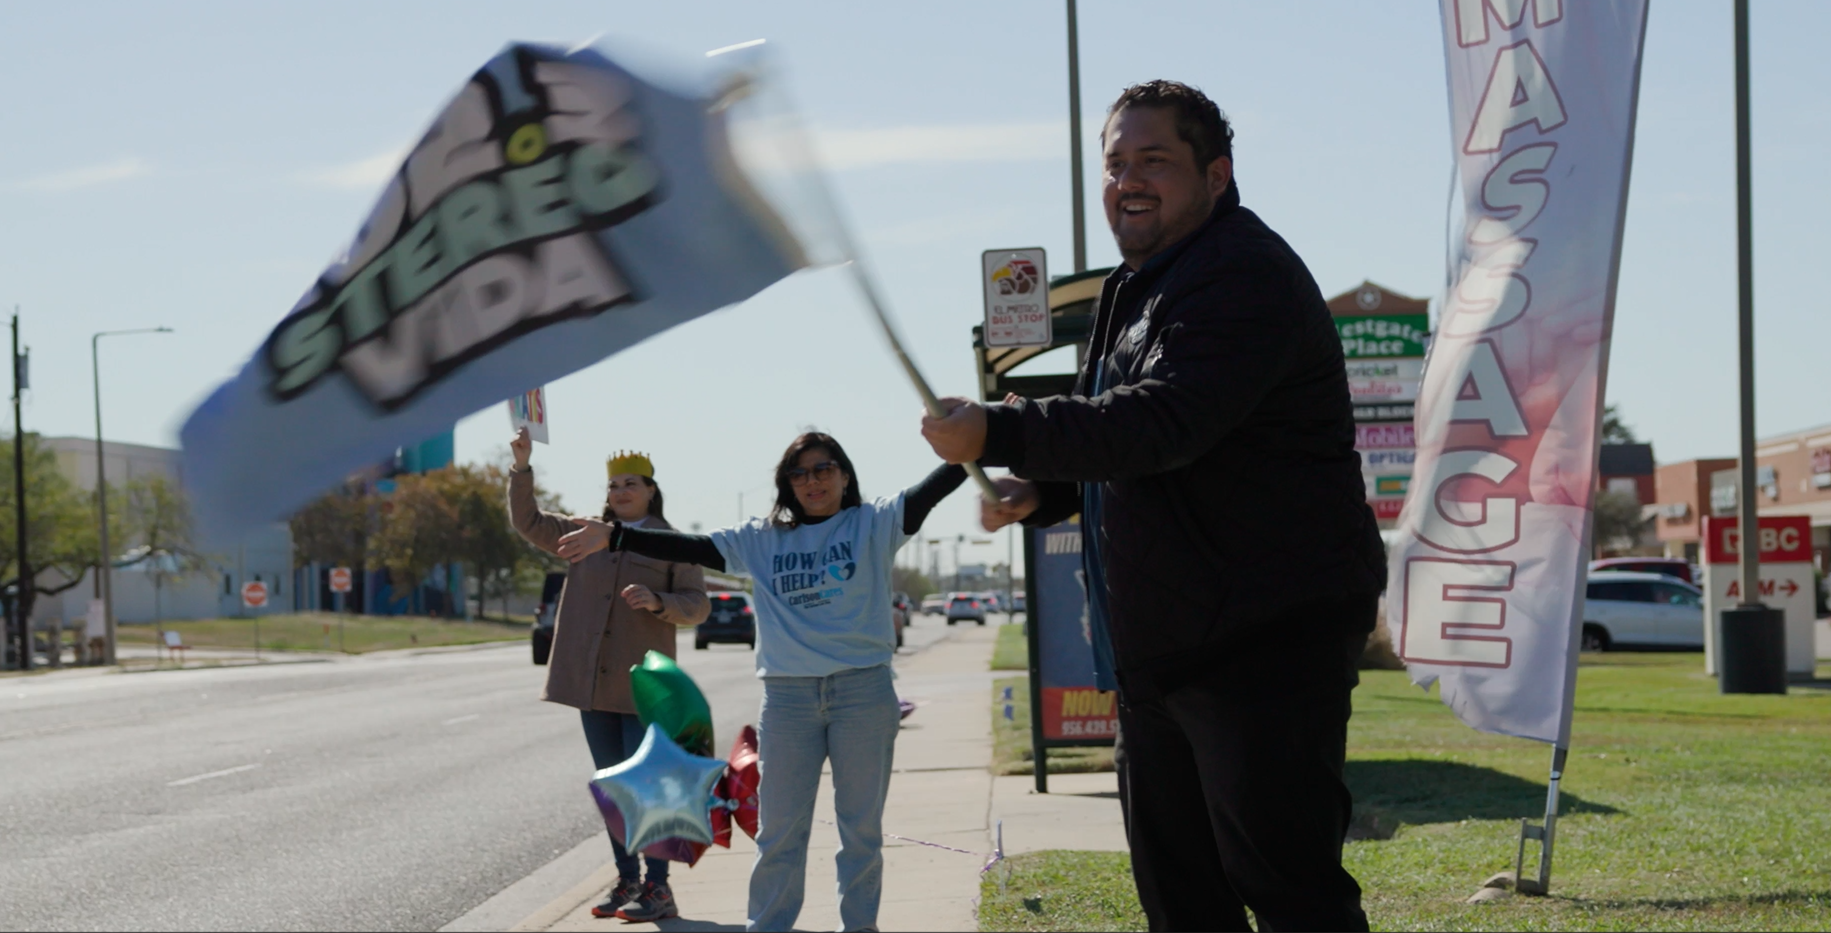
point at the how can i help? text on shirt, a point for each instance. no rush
(823, 590)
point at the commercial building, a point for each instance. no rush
(147, 587)
(1792, 476)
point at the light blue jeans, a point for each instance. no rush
(851, 719)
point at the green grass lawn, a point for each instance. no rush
(1012, 651)
(1682, 810)
(1060, 891)
(1011, 745)
(307, 632)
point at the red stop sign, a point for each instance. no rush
(254, 595)
(340, 579)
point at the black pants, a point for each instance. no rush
(1232, 784)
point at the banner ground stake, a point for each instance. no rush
(1545, 834)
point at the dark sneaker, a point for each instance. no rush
(656, 903)
(625, 893)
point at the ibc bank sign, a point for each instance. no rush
(1783, 540)
(1785, 579)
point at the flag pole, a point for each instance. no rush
(869, 289)
(742, 84)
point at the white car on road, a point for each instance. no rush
(1641, 610)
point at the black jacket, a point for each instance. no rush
(1233, 493)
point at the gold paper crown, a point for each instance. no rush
(630, 462)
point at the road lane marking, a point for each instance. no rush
(473, 716)
(213, 774)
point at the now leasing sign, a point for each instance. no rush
(1488, 563)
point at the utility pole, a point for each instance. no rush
(958, 540)
(1078, 199)
(22, 624)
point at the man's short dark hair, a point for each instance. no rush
(1198, 121)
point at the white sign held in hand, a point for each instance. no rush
(529, 410)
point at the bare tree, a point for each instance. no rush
(157, 516)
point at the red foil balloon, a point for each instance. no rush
(740, 783)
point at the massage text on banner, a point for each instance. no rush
(1488, 563)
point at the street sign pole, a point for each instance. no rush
(24, 624)
(341, 578)
(254, 596)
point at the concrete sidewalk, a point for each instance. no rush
(936, 819)
(943, 807)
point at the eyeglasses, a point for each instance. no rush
(821, 471)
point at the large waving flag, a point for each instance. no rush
(1488, 568)
(559, 209)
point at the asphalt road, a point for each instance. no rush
(387, 792)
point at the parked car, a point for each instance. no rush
(934, 605)
(731, 621)
(962, 606)
(542, 634)
(900, 608)
(1649, 610)
(1670, 566)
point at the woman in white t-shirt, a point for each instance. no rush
(822, 562)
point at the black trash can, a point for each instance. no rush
(1751, 650)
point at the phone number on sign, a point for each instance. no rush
(1100, 727)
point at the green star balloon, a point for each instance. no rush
(667, 697)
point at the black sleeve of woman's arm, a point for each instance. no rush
(920, 499)
(667, 545)
(1055, 503)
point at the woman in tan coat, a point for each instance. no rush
(615, 608)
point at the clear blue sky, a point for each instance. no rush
(194, 164)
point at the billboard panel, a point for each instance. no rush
(1070, 706)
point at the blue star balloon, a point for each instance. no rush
(661, 792)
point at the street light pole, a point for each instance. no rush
(1745, 320)
(1077, 201)
(105, 565)
(1751, 636)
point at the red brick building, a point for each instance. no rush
(1792, 475)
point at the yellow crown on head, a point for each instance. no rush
(630, 462)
